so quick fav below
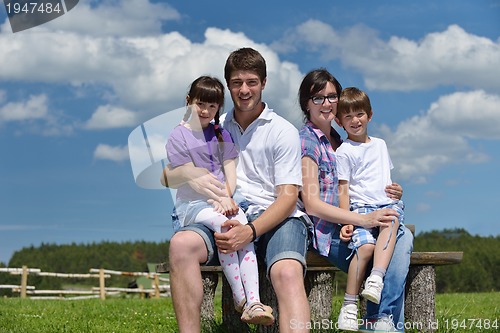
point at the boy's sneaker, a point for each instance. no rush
(384, 324)
(348, 318)
(373, 289)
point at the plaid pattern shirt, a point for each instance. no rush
(315, 145)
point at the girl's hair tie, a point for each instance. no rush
(216, 126)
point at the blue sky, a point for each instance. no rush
(73, 90)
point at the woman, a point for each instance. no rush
(318, 97)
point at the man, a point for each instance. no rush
(269, 179)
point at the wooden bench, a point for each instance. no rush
(419, 302)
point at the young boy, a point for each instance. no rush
(364, 170)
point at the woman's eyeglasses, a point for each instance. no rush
(319, 100)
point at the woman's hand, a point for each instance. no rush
(379, 218)
(394, 191)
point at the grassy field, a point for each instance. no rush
(455, 313)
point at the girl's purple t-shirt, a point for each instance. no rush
(203, 149)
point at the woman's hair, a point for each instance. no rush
(246, 59)
(354, 99)
(313, 82)
(205, 89)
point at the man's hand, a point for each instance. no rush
(199, 179)
(205, 183)
(235, 238)
(394, 191)
(346, 232)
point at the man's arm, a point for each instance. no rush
(200, 180)
(239, 235)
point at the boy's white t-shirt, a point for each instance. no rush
(367, 168)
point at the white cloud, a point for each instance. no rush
(473, 114)
(113, 153)
(109, 116)
(451, 57)
(35, 115)
(146, 74)
(423, 144)
(114, 18)
(34, 108)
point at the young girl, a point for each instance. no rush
(199, 142)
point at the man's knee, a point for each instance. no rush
(187, 246)
(287, 273)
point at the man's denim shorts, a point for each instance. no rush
(289, 240)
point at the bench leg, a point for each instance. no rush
(210, 280)
(420, 303)
(268, 297)
(230, 317)
(319, 290)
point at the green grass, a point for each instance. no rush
(157, 315)
(468, 312)
(111, 315)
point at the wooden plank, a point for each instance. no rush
(436, 258)
(316, 262)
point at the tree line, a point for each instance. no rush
(477, 272)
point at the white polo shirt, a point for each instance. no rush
(269, 155)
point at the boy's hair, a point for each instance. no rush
(206, 89)
(246, 59)
(315, 81)
(354, 99)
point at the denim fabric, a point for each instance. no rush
(289, 240)
(208, 238)
(393, 294)
(392, 300)
(187, 211)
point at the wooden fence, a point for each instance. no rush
(157, 290)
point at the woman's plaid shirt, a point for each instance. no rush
(316, 146)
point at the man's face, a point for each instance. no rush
(246, 90)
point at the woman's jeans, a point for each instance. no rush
(392, 300)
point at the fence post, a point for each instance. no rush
(24, 281)
(157, 286)
(102, 284)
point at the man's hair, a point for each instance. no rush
(246, 59)
(354, 99)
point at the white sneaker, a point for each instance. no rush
(348, 318)
(384, 324)
(373, 289)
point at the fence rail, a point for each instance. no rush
(157, 290)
